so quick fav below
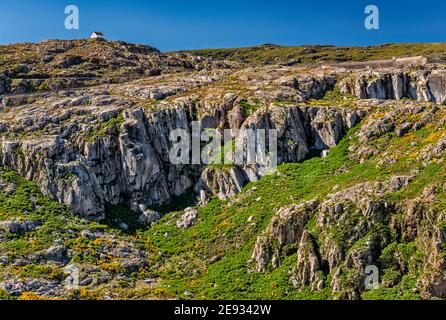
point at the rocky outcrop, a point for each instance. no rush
(222, 182)
(362, 227)
(421, 86)
(86, 174)
(299, 132)
(55, 64)
(93, 131)
(309, 86)
(5, 84)
(427, 229)
(437, 86)
(285, 228)
(149, 217)
(188, 219)
(307, 270)
(91, 148)
(346, 242)
(112, 152)
(18, 227)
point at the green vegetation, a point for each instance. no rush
(39, 271)
(401, 291)
(4, 295)
(334, 98)
(226, 234)
(209, 260)
(28, 203)
(106, 127)
(400, 228)
(274, 54)
(248, 108)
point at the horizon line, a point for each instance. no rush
(235, 47)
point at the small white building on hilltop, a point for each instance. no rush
(97, 35)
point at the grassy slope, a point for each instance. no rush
(225, 231)
(209, 260)
(267, 54)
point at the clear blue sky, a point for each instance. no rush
(187, 24)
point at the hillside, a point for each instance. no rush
(294, 55)
(57, 64)
(87, 181)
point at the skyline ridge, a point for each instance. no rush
(176, 25)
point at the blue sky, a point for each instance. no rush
(188, 24)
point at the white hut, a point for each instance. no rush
(97, 35)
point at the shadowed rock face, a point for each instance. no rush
(5, 84)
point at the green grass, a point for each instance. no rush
(402, 291)
(27, 202)
(41, 271)
(209, 260)
(247, 108)
(225, 232)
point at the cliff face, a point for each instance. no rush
(87, 174)
(366, 224)
(300, 131)
(90, 148)
(396, 84)
(360, 180)
(130, 163)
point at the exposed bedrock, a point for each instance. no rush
(399, 84)
(100, 149)
(300, 130)
(130, 162)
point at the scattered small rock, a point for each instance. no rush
(188, 219)
(149, 217)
